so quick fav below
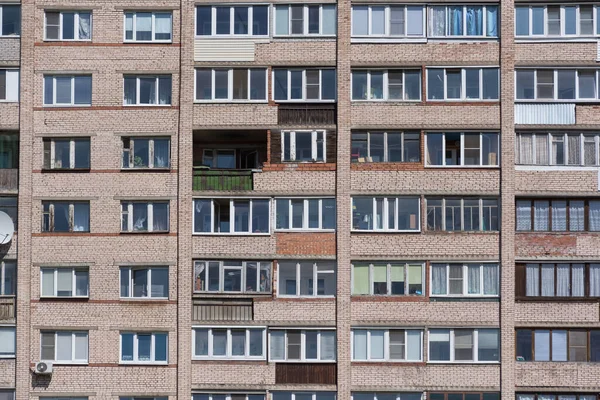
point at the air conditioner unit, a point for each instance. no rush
(43, 368)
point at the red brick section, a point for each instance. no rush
(305, 243)
(546, 245)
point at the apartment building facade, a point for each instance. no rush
(283, 200)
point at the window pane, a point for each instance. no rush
(83, 90)
(238, 342)
(397, 21)
(82, 153)
(439, 345)
(64, 286)
(64, 349)
(559, 345)
(472, 83)
(522, 21)
(587, 84)
(163, 24)
(377, 344)
(463, 344)
(414, 16)
(360, 16)
(258, 84)
(488, 345)
(490, 83)
(359, 350)
(160, 347)
(68, 25)
(297, 13)
(525, 79)
(524, 344)
(47, 282)
(203, 20)
(240, 20)
(223, 20)
(537, 20)
(281, 19)
(566, 84)
(260, 20)
(143, 30)
(328, 84)
(294, 340)
(412, 85)
(359, 85)
(311, 343)
(542, 345)
(376, 92)
(578, 346)
(240, 82)
(127, 346)
(221, 84)
(63, 89)
(570, 20)
(377, 20)
(435, 84)
(329, 20)
(313, 19)
(11, 20)
(219, 342)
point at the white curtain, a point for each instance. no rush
(562, 280)
(84, 26)
(160, 217)
(559, 215)
(532, 278)
(595, 280)
(576, 215)
(525, 150)
(438, 279)
(438, 21)
(577, 280)
(490, 279)
(523, 215)
(327, 345)
(474, 279)
(574, 149)
(541, 150)
(162, 26)
(540, 215)
(542, 345)
(548, 280)
(559, 345)
(594, 215)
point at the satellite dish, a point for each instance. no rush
(7, 228)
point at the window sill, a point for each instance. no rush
(197, 358)
(301, 101)
(248, 102)
(66, 170)
(463, 363)
(9, 101)
(144, 299)
(465, 101)
(557, 39)
(303, 361)
(145, 233)
(10, 36)
(8, 357)
(458, 299)
(145, 364)
(466, 167)
(539, 299)
(247, 37)
(428, 232)
(557, 101)
(149, 170)
(303, 37)
(462, 39)
(69, 233)
(134, 42)
(381, 231)
(147, 105)
(67, 40)
(556, 168)
(231, 295)
(388, 362)
(408, 298)
(304, 298)
(385, 101)
(67, 363)
(387, 39)
(66, 299)
(304, 230)
(557, 233)
(74, 106)
(230, 234)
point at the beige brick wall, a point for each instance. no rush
(434, 54)
(420, 246)
(424, 313)
(562, 376)
(424, 377)
(556, 183)
(429, 181)
(9, 116)
(553, 54)
(10, 51)
(288, 182)
(430, 116)
(571, 314)
(7, 373)
(224, 245)
(233, 375)
(259, 115)
(290, 52)
(303, 312)
(587, 115)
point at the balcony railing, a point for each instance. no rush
(222, 179)
(7, 308)
(306, 114)
(9, 179)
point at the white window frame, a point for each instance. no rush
(12, 79)
(462, 212)
(387, 29)
(385, 213)
(13, 328)
(134, 20)
(452, 347)
(386, 146)
(463, 83)
(3, 277)
(230, 98)
(228, 355)
(305, 21)
(303, 358)
(72, 141)
(386, 90)
(223, 266)
(315, 279)
(232, 232)
(465, 279)
(50, 214)
(305, 215)
(73, 335)
(61, 24)
(314, 144)
(157, 87)
(148, 282)
(228, 396)
(549, 135)
(130, 151)
(231, 21)
(555, 98)
(389, 276)
(73, 282)
(289, 86)
(386, 344)
(563, 34)
(136, 349)
(150, 213)
(465, 35)
(2, 33)
(72, 102)
(462, 150)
